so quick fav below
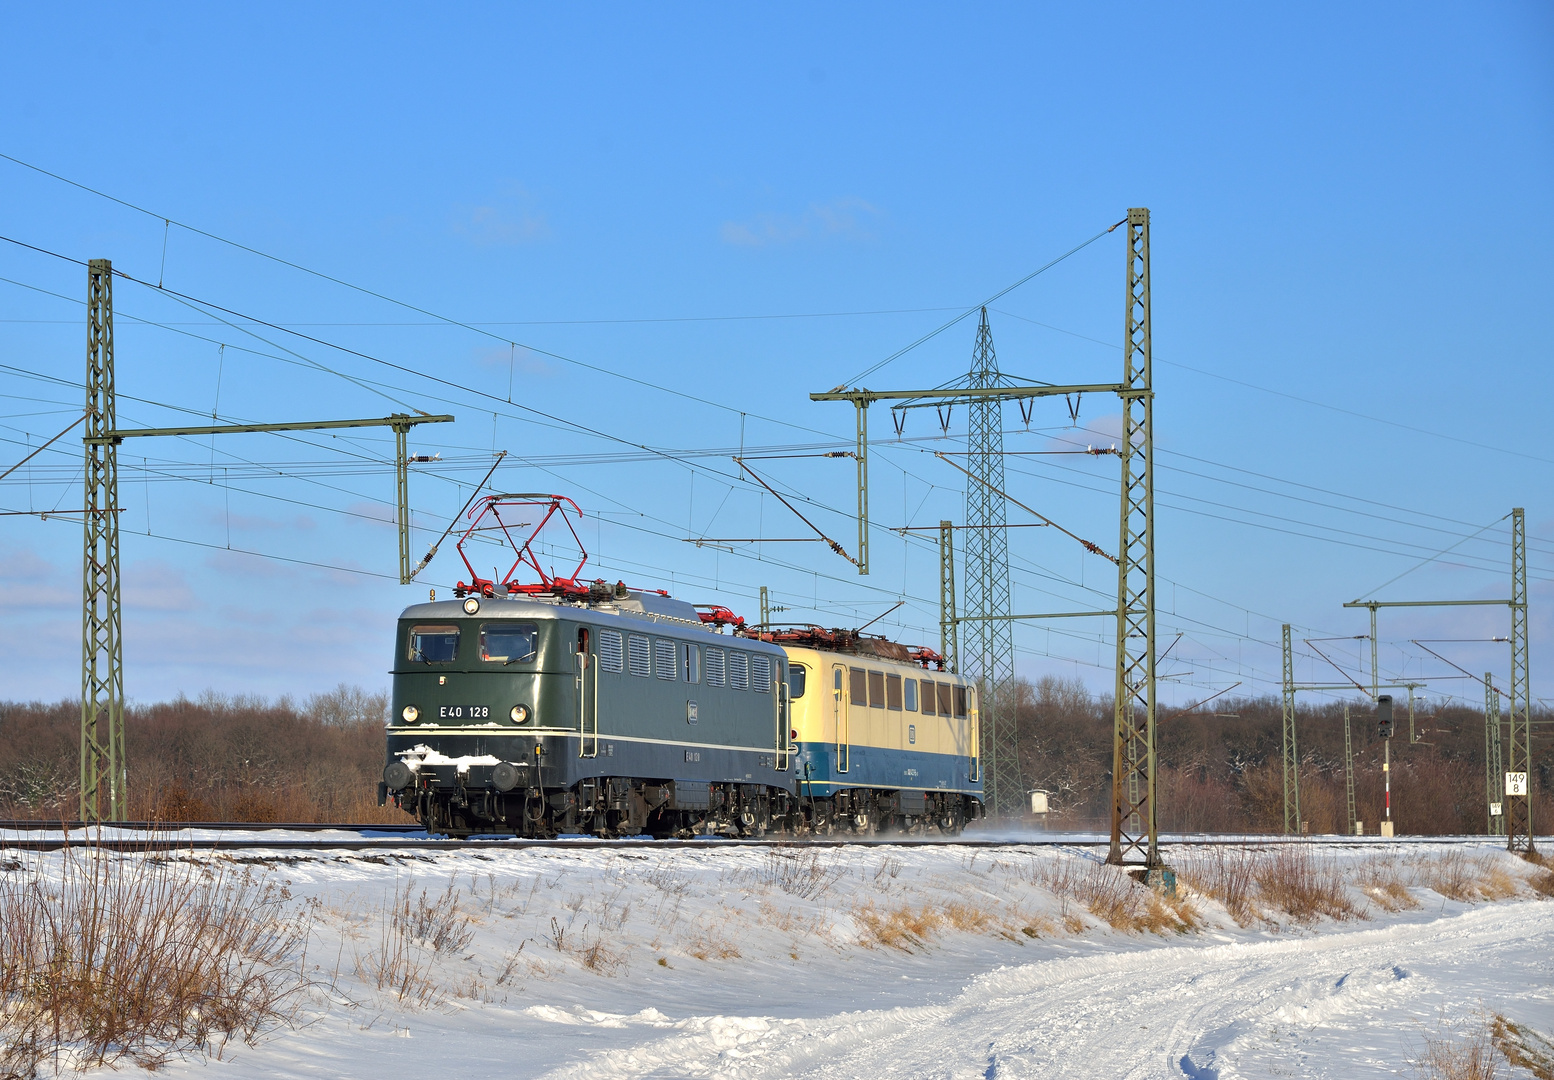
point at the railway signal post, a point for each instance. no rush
(1517, 805)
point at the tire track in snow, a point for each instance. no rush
(1309, 1006)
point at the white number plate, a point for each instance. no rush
(463, 712)
(1516, 783)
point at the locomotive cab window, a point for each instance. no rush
(960, 701)
(796, 673)
(509, 642)
(433, 644)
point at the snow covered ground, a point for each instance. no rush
(886, 963)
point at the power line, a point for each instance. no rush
(568, 322)
(1303, 400)
(866, 372)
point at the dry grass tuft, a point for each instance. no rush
(1291, 880)
(141, 958)
(1496, 884)
(598, 957)
(1543, 883)
(1381, 880)
(1116, 899)
(399, 963)
(1457, 1057)
(800, 872)
(908, 928)
(967, 918)
(1459, 876)
(898, 928)
(1452, 875)
(594, 954)
(1523, 1047)
(711, 946)
(1039, 925)
(435, 922)
(1226, 874)
(791, 921)
(1446, 1059)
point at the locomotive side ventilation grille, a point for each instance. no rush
(640, 654)
(664, 665)
(611, 651)
(739, 670)
(761, 674)
(714, 667)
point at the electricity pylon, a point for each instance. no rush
(104, 771)
(1494, 767)
(1134, 819)
(989, 652)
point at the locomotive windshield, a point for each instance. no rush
(434, 644)
(508, 642)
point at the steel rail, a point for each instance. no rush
(390, 846)
(184, 826)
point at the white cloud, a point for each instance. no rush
(506, 221)
(844, 218)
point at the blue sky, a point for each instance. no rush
(665, 227)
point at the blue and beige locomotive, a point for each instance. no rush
(592, 708)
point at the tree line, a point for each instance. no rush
(219, 758)
(1220, 767)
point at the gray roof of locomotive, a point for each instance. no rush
(630, 612)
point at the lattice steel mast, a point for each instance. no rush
(1494, 765)
(1134, 832)
(1518, 808)
(949, 625)
(1349, 771)
(1291, 754)
(989, 650)
(104, 774)
(103, 770)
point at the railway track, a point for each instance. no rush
(153, 837)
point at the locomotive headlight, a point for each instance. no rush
(410, 713)
(519, 713)
(471, 606)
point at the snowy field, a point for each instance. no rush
(1313, 960)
